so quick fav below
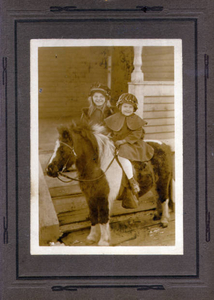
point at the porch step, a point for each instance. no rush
(77, 218)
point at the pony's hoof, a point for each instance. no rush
(103, 243)
(92, 238)
(90, 241)
(164, 223)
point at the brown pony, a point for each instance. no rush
(100, 175)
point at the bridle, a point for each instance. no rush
(72, 148)
(77, 179)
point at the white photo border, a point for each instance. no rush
(35, 249)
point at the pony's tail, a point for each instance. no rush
(171, 195)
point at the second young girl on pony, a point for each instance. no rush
(126, 129)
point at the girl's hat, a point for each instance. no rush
(128, 98)
(98, 87)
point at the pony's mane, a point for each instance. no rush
(105, 145)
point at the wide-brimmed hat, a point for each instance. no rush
(128, 98)
(98, 87)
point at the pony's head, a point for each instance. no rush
(64, 155)
(85, 145)
(76, 144)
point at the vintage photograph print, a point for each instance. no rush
(106, 147)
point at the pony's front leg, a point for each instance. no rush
(94, 234)
(105, 235)
(165, 213)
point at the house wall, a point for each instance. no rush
(158, 66)
(158, 63)
(159, 114)
(65, 77)
(66, 74)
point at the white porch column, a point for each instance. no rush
(135, 87)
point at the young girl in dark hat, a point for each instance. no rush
(126, 128)
(100, 107)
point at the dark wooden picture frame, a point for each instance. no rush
(44, 275)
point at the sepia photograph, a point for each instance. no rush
(106, 147)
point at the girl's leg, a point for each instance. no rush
(127, 168)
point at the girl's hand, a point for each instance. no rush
(119, 142)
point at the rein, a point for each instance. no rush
(82, 180)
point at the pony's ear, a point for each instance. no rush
(64, 132)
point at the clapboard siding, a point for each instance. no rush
(154, 68)
(156, 50)
(159, 115)
(159, 136)
(158, 107)
(161, 99)
(159, 129)
(155, 76)
(156, 57)
(160, 121)
(158, 63)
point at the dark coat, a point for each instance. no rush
(97, 116)
(130, 130)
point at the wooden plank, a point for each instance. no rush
(73, 216)
(75, 226)
(158, 63)
(55, 182)
(65, 191)
(158, 114)
(160, 136)
(163, 121)
(158, 88)
(156, 50)
(157, 69)
(147, 202)
(158, 99)
(168, 76)
(156, 129)
(164, 57)
(146, 220)
(69, 203)
(158, 106)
